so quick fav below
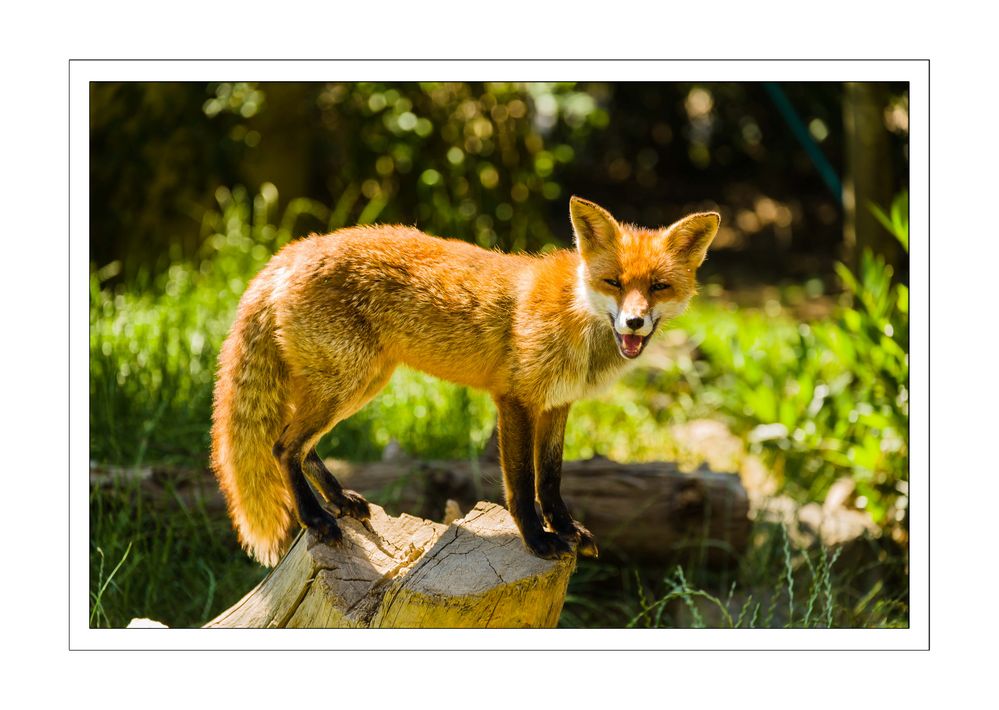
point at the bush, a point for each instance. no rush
(823, 400)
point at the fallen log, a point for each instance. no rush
(406, 572)
(640, 512)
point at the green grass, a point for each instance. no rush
(171, 560)
(774, 585)
(818, 401)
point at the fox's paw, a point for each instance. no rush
(547, 545)
(324, 529)
(586, 544)
(573, 532)
(354, 505)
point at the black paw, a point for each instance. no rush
(586, 543)
(547, 545)
(353, 504)
(325, 529)
(573, 532)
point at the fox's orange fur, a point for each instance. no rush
(321, 328)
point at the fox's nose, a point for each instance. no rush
(635, 323)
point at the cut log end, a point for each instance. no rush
(407, 572)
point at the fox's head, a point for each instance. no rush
(636, 277)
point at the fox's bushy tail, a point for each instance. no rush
(250, 412)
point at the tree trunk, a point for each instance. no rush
(868, 176)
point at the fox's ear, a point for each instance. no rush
(692, 235)
(594, 227)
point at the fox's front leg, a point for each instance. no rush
(549, 436)
(516, 434)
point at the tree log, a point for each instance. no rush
(648, 512)
(407, 572)
(639, 512)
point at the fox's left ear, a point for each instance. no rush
(593, 226)
(692, 235)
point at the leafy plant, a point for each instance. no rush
(896, 221)
(476, 161)
(822, 400)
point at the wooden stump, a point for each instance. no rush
(407, 572)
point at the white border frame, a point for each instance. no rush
(916, 72)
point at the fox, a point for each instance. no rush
(321, 328)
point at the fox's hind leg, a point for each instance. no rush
(549, 437)
(308, 423)
(349, 502)
(320, 401)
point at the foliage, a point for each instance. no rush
(824, 399)
(475, 161)
(472, 161)
(896, 221)
(490, 162)
(775, 585)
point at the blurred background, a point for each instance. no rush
(793, 359)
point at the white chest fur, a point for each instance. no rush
(588, 370)
(571, 386)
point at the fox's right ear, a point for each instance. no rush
(692, 235)
(594, 227)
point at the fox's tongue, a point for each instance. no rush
(631, 344)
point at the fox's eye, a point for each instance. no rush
(660, 286)
(613, 282)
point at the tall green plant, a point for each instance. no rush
(822, 400)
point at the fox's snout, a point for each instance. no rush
(633, 316)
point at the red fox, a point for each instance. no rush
(320, 329)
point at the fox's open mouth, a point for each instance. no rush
(631, 345)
